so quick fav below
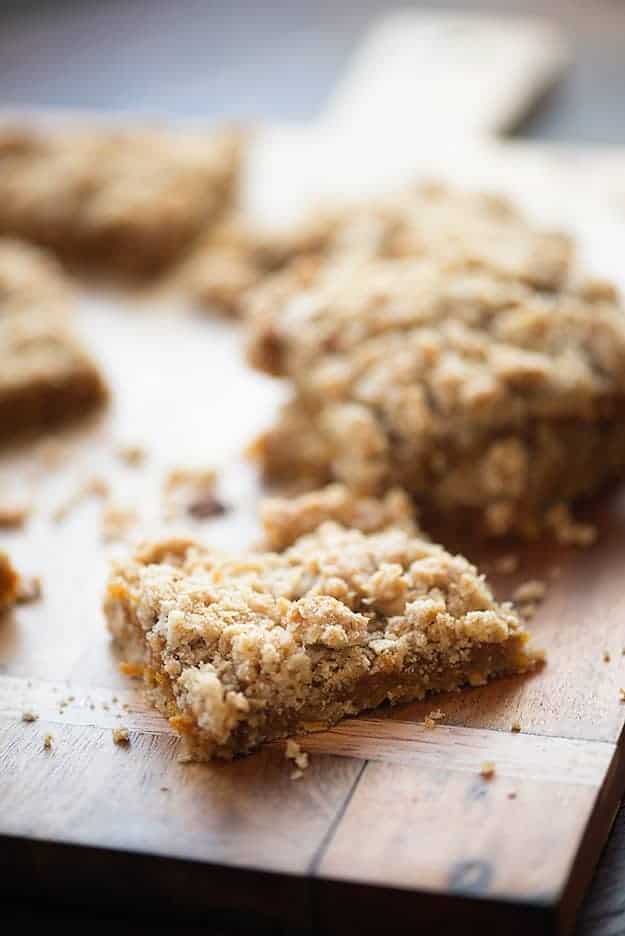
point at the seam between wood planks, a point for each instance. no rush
(321, 849)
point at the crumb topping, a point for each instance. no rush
(473, 392)
(235, 637)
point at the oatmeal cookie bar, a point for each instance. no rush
(485, 398)
(129, 200)
(238, 651)
(462, 230)
(46, 377)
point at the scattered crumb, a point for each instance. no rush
(530, 592)
(29, 716)
(29, 589)
(105, 706)
(47, 742)
(132, 454)
(515, 727)
(294, 752)
(528, 611)
(487, 770)
(164, 789)
(191, 491)
(92, 487)
(114, 699)
(606, 656)
(134, 670)
(621, 693)
(116, 522)
(506, 565)
(432, 718)
(566, 530)
(206, 507)
(51, 452)
(512, 794)
(120, 736)
(14, 514)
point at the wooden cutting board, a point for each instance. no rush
(392, 824)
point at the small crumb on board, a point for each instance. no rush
(300, 758)
(432, 718)
(487, 770)
(120, 736)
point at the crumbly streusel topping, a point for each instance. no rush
(408, 374)
(461, 230)
(134, 198)
(236, 634)
(284, 520)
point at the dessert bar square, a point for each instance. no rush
(241, 650)
(46, 377)
(129, 200)
(492, 402)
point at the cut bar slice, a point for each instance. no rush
(46, 377)
(490, 401)
(238, 651)
(129, 200)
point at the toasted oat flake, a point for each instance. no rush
(120, 736)
(47, 742)
(515, 727)
(433, 717)
(29, 716)
(530, 592)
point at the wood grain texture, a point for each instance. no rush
(389, 813)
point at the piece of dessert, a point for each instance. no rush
(9, 582)
(46, 377)
(488, 400)
(238, 651)
(463, 230)
(128, 200)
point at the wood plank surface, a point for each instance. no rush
(388, 810)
